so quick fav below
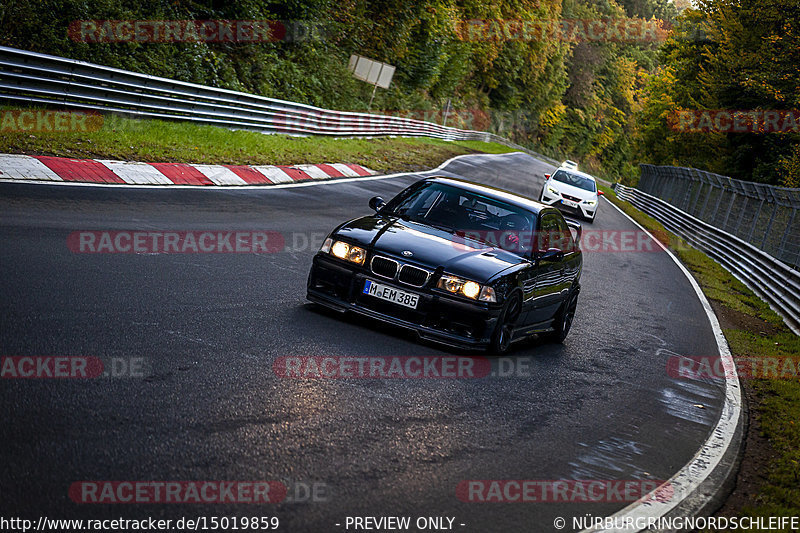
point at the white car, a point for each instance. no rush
(571, 165)
(572, 192)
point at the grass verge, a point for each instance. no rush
(768, 483)
(155, 141)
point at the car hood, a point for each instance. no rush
(431, 247)
(571, 190)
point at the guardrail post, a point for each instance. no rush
(687, 196)
(769, 226)
(653, 182)
(785, 235)
(699, 181)
(659, 185)
(734, 194)
(646, 177)
(708, 196)
(755, 219)
(741, 215)
(675, 184)
(719, 199)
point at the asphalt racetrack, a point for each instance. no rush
(207, 328)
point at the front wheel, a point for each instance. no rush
(501, 338)
(564, 318)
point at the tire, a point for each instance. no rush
(501, 338)
(564, 318)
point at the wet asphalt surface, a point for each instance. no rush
(208, 405)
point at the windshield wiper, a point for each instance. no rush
(443, 227)
(409, 218)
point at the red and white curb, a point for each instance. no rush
(105, 171)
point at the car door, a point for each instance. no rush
(571, 262)
(548, 275)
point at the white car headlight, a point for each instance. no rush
(340, 249)
(590, 202)
(348, 252)
(551, 190)
(471, 289)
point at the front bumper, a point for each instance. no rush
(583, 210)
(439, 318)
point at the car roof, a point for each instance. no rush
(576, 172)
(493, 192)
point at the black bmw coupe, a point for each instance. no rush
(459, 263)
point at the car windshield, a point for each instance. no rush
(575, 180)
(470, 215)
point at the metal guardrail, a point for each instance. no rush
(763, 215)
(773, 280)
(42, 79)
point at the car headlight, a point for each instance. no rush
(465, 287)
(590, 202)
(347, 252)
(551, 190)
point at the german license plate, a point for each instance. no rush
(569, 203)
(391, 294)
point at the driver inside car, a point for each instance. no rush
(449, 210)
(516, 233)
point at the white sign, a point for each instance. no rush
(372, 72)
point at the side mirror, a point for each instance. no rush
(600, 193)
(547, 176)
(551, 254)
(376, 202)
